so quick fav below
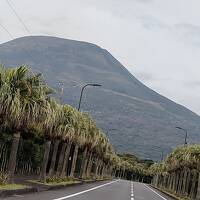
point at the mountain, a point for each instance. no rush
(144, 120)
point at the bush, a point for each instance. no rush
(4, 178)
(57, 179)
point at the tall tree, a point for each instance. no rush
(23, 101)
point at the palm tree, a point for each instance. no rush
(51, 131)
(79, 140)
(56, 134)
(23, 100)
(90, 134)
(26, 103)
(92, 143)
(68, 137)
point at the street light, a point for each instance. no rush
(162, 151)
(186, 134)
(112, 129)
(61, 84)
(89, 84)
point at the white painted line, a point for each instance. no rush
(155, 192)
(132, 198)
(82, 192)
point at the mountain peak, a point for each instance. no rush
(141, 117)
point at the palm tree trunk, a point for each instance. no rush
(170, 181)
(184, 181)
(188, 183)
(73, 167)
(180, 182)
(83, 163)
(47, 146)
(100, 168)
(53, 160)
(198, 188)
(1, 146)
(156, 180)
(61, 159)
(13, 156)
(194, 180)
(66, 159)
(175, 182)
(96, 168)
(87, 163)
(89, 166)
(123, 174)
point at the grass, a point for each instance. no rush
(55, 183)
(89, 180)
(63, 183)
(12, 187)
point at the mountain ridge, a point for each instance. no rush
(131, 102)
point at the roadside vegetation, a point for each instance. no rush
(179, 173)
(41, 137)
(138, 169)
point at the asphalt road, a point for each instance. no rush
(108, 190)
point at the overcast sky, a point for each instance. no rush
(157, 41)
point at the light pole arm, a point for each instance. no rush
(186, 134)
(161, 151)
(79, 105)
(89, 84)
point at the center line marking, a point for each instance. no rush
(82, 192)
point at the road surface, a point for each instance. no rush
(107, 190)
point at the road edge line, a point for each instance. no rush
(155, 192)
(84, 191)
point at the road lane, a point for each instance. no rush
(107, 190)
(53, 194)
(145, 192)
(117, 191)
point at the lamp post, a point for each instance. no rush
(162, 151)
(186, 134)
(112, 129)
(61, 84)
(82, 90)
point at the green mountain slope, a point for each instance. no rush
(142, 118)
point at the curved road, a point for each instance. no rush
(107, 190)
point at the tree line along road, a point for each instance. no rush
(107, 190)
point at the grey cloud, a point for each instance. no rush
(189, 32)
(144, 1)
(150, 23)
(193, 84)
(148, 77)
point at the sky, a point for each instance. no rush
(157, 41)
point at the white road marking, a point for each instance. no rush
(155, 192)
(17, 195)
(132, 194)
(82, 192)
